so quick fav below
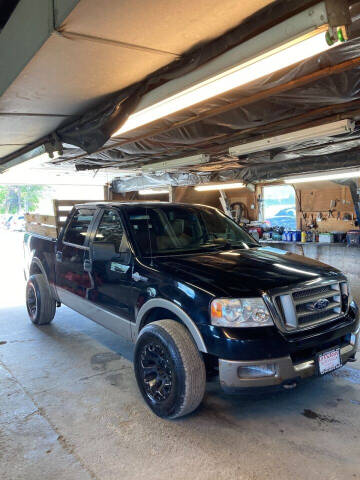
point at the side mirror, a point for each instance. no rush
(102, 251)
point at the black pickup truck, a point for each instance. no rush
(199, 297)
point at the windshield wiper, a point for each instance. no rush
(222, 246)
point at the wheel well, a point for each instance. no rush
(157, 313)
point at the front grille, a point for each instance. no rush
(300, 309)
(311, 291)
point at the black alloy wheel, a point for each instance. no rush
(156, 371)
(40, 303)
(169, 369)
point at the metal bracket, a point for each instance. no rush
(339, 19)
(251, 187)
(53, 145)
(338, 12)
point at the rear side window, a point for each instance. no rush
(78, 227)
(110, 230)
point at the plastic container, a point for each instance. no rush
(296, 236)
(353, 237)
(326, 238)
(277, 236)
(339, 237)
(310, 236)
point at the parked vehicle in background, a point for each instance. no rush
(197, 295)
(285, 217)
(17, 223)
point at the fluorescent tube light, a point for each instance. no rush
(153, 191)
(324, 177)
(218, 186)
(176, 162)
(286, 51)
(34, 162)
(321, 131)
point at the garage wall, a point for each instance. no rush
(190, 195)
(316, 197)
(182, 194)
(312, 198)
(247, 197)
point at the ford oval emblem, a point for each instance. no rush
(318, 305)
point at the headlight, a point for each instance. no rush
(244, 312)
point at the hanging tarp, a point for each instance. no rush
(94, 128)
(214, 134)
(250, 174)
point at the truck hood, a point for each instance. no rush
(244, 272)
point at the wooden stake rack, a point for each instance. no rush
(44, 225)
(50, 225)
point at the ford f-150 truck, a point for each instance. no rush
(197, 295)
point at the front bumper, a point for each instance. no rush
(286, 372)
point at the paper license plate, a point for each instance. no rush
(329, 361)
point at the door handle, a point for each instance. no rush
(87, 265)
(58, 256)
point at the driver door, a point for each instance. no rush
(111, 271)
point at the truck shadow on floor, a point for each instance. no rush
(318, 400)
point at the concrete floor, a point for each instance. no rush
(70, 409)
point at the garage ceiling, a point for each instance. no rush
(80, 67)
(72, 54)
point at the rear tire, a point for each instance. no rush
(169, 369)
(40, 305)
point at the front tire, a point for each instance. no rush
(40, 305)
(169, 369)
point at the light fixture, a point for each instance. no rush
(218, 186)
(324, 177)
(327, 130)
(35, 162)
(153, 191)
(291, 41)
(176, 163)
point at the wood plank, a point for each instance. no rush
(50, 225)
(63, 207)
(44, 230)
(71, 203)
(41, 219)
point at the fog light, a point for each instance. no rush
(257, 371)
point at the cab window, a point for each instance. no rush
(78, 227)
(110, 230)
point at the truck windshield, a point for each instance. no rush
(161, 230)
